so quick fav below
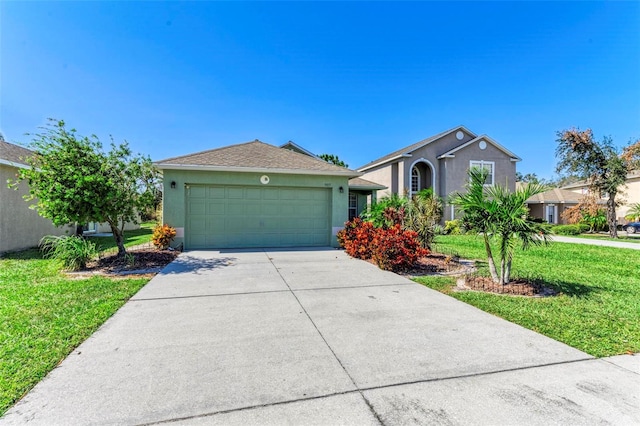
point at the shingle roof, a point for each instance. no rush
(409, 149)
(359, 183)
(254, 156)
(13, 154)
(557, 196)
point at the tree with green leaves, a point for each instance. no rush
(600, 164)
(496, 213)
(333, 159)
(72, 180)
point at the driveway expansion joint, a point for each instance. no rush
(373, 412)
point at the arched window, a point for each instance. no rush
(415, 180)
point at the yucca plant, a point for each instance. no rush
(72, 251)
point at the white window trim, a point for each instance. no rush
(433, 174)
(419, 178)
(482, 163)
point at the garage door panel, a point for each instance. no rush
(230, 216)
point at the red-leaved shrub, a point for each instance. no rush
(356, 238)
(396, 249)
(392, 249)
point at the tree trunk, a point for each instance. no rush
(611, 216)
(492, 265)
(118, 235)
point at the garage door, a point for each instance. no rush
(241, 216)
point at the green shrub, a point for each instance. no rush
(387, 212)
(74, 252)
(569, 229)
(423, 213)
(452, 227)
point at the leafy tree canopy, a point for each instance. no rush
(599, 163)
(333, 159)
(72, 180)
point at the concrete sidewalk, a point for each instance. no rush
(315, 337)
(595, 242)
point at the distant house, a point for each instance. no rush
(441, 163)
(629, 194)
(258, 195)
(20, 226)
(550, 205)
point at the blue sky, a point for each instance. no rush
(355, 79)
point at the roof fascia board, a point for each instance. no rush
(12, 164)
(408, 154)
(388, 160)
(347, 172)
(306, 151)
(450, 154)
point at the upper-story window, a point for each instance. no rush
(489, 166)
(415, 180)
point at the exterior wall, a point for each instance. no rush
(384, 176)
(174, 203)
(539, 211)
(631, 196)
(454, 171)
(20, 226)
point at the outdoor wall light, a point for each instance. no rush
(341, 189)
(173, 184)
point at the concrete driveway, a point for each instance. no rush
(315, 337)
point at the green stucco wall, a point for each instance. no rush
(174, 199)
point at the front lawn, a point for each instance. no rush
(132, 238)
(45, 314)
(598, 310)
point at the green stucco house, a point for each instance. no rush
(259, 195)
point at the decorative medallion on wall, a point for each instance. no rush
(264, 179)
(459, 135)
(482, 145)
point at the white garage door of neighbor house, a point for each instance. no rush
(252, 216)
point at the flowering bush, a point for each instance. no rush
(162, 236)
(392, 248)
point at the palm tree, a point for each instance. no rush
(496, 212)
(634, 212)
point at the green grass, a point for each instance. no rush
(44, 315)
(131, 238)
(598, 310)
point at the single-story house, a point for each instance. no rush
(550, 205)
(20, 226)
(258, 195)
(629, 193)
(441, 162)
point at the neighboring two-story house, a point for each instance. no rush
(441, 162)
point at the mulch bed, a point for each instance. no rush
(519, 287)
(136, 260)
(435, 263)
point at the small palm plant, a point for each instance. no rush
(634, 212)
(497, 213)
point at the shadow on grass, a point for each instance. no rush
(564, 287)
(196, 265)
(28, 254)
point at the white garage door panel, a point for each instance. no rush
(235, 216)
